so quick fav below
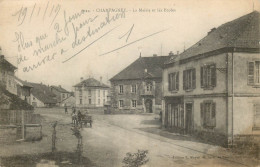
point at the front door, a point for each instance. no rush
(149, 105)
(188, 115)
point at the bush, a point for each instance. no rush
(136, 159)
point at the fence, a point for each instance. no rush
(19, 120)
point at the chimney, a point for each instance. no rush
(1, 51)
(171, 54)
(154, 55)
(81, 79)
(100, 79)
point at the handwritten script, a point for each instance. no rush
(71, 33)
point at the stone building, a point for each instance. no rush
(7, 75)
(91, 93)
(137, 88)
(212, 89)
(61, 93)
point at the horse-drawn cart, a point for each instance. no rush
(85, 119)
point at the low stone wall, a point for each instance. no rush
(211, 137)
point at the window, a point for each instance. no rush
(104, 93)
(80, 92)
(121, 103)
(189, 79)
(253, 73)
(98, 93)
(133, 89)
(133, 103)
(121, 89)
(63, 95)
(208, 76)
(208, 114)
(89, 101)
(104, 101)
(149, 86)
(256, 116)
(173, 81)
(80, 101)
(98, 101)
(89, 92)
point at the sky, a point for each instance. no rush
(73, 39)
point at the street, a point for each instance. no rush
(112, 136)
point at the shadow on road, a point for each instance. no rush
(151, 122)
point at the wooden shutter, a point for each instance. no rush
(213, 75)
(193, 78)
(250, 77)
(213, 114)
(177, 80)
(202, 77)
(184, 80)
(202, 114)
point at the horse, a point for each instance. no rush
(74, 119)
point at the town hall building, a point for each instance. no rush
(138, 87)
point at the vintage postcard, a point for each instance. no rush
(112, 83)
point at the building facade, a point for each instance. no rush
(7, 75)
(41, 96)
(60, 93)
(212, 89)
(24, 90)
(138, 87)
(91, 93)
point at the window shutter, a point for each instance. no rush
(201, 77)
(213, 114)
(213, 75)
(250, 78)
(194, 78)
(177, 80)
(184, 80)
(202, 114)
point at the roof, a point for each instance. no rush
(242, 32)
(60, 89)
(22, 83)
(6, 64)
(14, 101)
(43, 93)
(91, 82)
(136, 70)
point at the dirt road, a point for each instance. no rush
(112, 136)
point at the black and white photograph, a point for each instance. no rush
(130, 83)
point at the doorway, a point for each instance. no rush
(149, 105)
(188, 119)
